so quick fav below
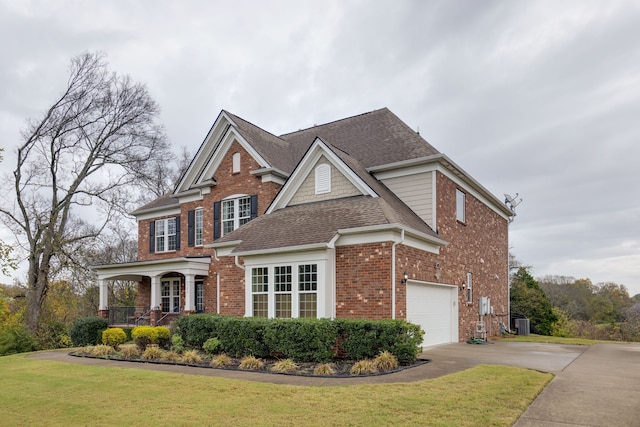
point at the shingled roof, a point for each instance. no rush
(317, 223)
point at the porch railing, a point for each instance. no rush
(128, 316)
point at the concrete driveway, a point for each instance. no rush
(594, 386)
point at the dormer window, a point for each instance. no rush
(323, 179)
(236, 163)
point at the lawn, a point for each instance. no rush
(37, 392)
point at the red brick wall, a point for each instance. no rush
(232, 277)
(478, 246)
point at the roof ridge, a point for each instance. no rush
(334, 121)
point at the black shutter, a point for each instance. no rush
(191, 225)
(254, 206)
(216, 220)
(152, 236)
(177, 233)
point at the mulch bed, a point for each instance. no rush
(341, 368)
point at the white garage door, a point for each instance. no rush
(435, 309)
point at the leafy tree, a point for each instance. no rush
(528, 299)
(80, 159)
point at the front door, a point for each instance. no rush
(170, 295)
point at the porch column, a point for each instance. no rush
(155, 293)
(189, 293)
(104, 294)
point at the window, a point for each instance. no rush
(236, 163)
(460, 208)
(323, 178)
(260, 289)
(198, 227)
(469, 288)
(308, 287)
(199, 296)
(170, 297)
(231, 213)
(282, 285)
(235, 212)
(166, 235)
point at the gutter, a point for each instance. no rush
(393, 274)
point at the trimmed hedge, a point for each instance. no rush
(303, 340)
(145, 335)
(88, 331)
(114, 337)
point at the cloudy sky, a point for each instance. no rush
(540, 98)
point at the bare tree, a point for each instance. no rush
(77, 167)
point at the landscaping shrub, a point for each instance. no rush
(127, 332)
(251, 363)
(364, 339)
(171, 356)
(103, 350)
(363, 367)
(164, 335)
(129, 351)
(177, 343)
(114, 337)
(16, 339)
(53, 334)
(87, 331)
(385, 361)
(152, 352)
(211, 346)
(191, 357)
(323, 369)
(303, 340)
(284, 366)
(195, 329)
(221, 360)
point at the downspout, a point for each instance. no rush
(215, 256)
(393, 274)
(332, 247)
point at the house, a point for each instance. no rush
(357, 218)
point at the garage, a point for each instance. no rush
(434, 307)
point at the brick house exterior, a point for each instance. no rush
(356, 218)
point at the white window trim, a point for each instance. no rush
(321, 289)
(172, 294)
(165, 234)
(461, 202)
(236, 219)
(236, 163)
(198, 227)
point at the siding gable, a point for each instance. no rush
(340, 186)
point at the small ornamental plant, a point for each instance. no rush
(177, 343)
(284, 366)
(251, 363)
(171, 356)
(363, 367)
(129, 351)
(103, 351)
(385, 361)
(152, 353)
(324, 369)
(114, 337)
(220, 361)
(191, 357)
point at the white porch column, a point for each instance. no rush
(189, 292)
(155, 292)
(104, 294)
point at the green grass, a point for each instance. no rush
(36, 391)
(552, 340)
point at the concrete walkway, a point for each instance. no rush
(594, 386)
(599, 388)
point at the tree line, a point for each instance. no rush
(568, 307)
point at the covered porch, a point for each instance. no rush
(166, 289)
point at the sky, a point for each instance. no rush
(540, 98)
